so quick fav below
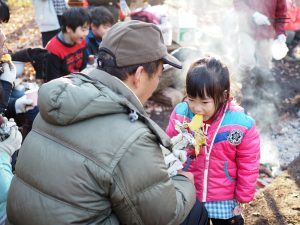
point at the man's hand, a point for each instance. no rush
(172, 162)
(261, 19)
(180, 154)
(180, 144)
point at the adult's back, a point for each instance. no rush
(94, 166)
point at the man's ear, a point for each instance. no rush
(138, 76)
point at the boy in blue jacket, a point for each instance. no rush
(101, 21)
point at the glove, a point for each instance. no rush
(172, 162)
(22, 104)
(261, 19)
(9, 123)
(180, 143)
(13, 142)
(279, 48)
(180, 154)
(9, 72)
(281, 38)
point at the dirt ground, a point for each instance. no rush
(279, 202)
(276, 204)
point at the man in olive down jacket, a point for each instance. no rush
(93, 155)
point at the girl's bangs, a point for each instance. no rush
(199, 84)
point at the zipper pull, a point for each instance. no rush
(207, 156)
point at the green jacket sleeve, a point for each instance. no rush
(143, 193)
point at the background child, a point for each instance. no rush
(111, 5)
(101, 21)
(67, 48)
(226, 169)
(13, 142)
(12, 106)
(46, 19)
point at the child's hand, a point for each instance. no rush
(238, 210)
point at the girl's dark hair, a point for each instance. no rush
(107, 63)
(4, 12)
(101, 16)
(74, 17)
(209, 77)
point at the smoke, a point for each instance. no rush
(270, 154)
(211, 27)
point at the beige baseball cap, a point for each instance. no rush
(136, 42)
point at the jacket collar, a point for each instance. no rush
(91, 36)
(117, 86)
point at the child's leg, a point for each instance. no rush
(236, 220)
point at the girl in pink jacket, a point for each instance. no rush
(226, 169)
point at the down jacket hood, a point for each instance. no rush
(92, 93)
(77, 97)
